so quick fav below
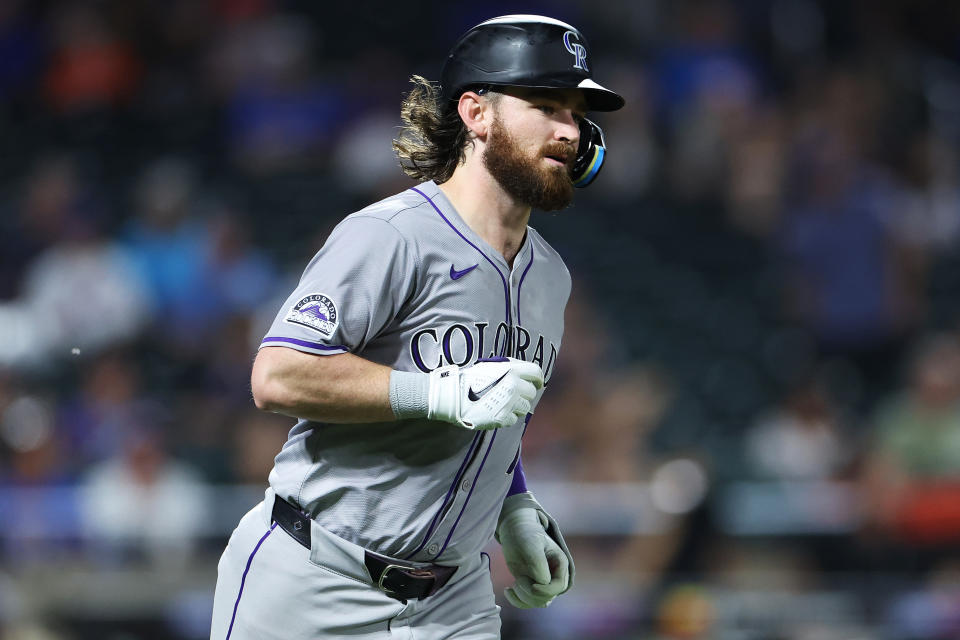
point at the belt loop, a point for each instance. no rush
(292, 520)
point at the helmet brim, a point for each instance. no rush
(599, 98)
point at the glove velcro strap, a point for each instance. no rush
(443, 395)
(526, 500)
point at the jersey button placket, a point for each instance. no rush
(513, 303)
(433, 548)
(465, 485)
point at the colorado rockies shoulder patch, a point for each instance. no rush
(316, 311)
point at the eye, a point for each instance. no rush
(547, 109)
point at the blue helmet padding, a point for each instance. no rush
(594, 168)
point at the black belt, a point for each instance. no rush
(397, 579)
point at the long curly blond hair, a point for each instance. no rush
(433, 140)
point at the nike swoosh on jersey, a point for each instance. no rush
(473, 396)
(456, 275)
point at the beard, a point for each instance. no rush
(525, 178)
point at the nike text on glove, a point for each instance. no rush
(490, 394)
(538, 564)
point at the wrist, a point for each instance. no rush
(517, 503)
(409, 394)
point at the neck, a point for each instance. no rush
(489, 211)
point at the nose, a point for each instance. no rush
(568, 130)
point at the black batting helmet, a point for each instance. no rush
(524, 51)
(538, 52)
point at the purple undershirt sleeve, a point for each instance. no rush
(519, 484)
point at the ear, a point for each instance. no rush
(473, 111)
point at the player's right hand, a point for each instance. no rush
(490, 394)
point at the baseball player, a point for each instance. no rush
(413, 352)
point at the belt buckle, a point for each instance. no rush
(383, 576)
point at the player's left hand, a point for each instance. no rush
(538, 564)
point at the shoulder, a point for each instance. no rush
(389, 227)
(402, 211)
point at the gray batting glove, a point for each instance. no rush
(539, 566)
(490, 394)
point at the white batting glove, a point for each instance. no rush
(541, 569)
(490, 394)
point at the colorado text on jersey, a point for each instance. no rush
(461, 344)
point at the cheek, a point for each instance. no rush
(531, 129)
(540, 131)
(533, 141)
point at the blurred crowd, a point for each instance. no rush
(764, 333)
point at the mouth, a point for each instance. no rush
(557, 159)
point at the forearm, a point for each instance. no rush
(345, 388)
(342, 388)
(518, 495)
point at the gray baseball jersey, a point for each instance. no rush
(406, 283)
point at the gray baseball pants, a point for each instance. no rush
(271, 587)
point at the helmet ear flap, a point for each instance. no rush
(590, 154)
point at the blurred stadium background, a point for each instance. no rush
(754, 428)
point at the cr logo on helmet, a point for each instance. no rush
(578, 50)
